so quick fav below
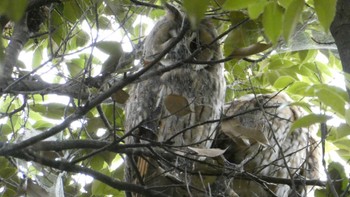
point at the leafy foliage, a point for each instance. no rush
(85, 50)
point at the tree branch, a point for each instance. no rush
(340, 29)
(8, 149)
(140, 149)
(18, 40)
(68, 167)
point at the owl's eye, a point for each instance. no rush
(202, 38)
(195, 44)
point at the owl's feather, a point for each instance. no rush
(199, 88)
(290, 154)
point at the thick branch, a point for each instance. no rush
(19, 38)
(29, 86)
(340, 30)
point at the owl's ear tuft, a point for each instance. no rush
(173, 13)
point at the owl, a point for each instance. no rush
(171, 109)
(259, 137)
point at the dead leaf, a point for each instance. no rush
(208, 152)
(234, 129)
(120, 96)
(177, 105)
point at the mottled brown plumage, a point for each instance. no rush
(285, 154)
(194, 93)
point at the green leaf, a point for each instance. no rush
(97, 163)
(256, 9)
(37, 57)
(347, 116)
(307, 56)
(283, 82)
(280, 63)
(52, 110)
(41, 125)
(273, 21)
(284, 3)
(71, 11)
(104, 23)
(109, 47)
(4, 4)
(114, 50)
(301, 88)
(82, 38)
(7, 172)
(237, 4)
(234, 40)
(342, 130)
(332, 99)
(60, 31)
(14, 9)
(75, 66)
(9, 192)
(291, 17)
(325, 10)
(195, 10)
(336, 171)
(309, 120)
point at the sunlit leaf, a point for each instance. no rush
(332, 99)
(283, 82)
(249, 50)
(280, 63)
(104, 22)
(291, 17)
(343, 130)
(301, 88)
(307, 55)
(97, 162)
(325, 11)
(309, 120)
(284, 3)
(37, 57)
(42, 124)
(71, 11)
(256, 9)
(238, 4)
(272, 21)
